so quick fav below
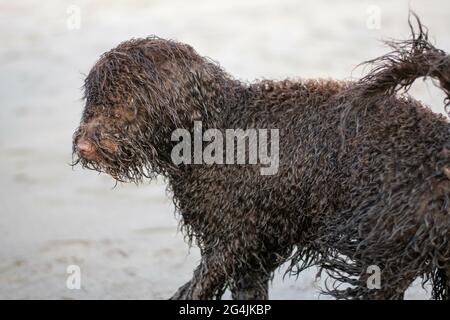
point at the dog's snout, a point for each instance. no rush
(86, 149)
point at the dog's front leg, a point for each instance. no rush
(251, 282)
(182, 292)
(251, 285)
(208, 282)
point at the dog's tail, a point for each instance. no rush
(408, 60)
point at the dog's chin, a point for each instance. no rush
(113, 167)
(121, 174)
(95, 165)
(103, 167)
(118, 176)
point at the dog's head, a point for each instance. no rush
(135, 96)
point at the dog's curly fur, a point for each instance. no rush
(364, 169)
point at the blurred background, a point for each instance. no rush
(125, 239)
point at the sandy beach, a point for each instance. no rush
(125, 239)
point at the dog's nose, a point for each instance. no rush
(86, 149)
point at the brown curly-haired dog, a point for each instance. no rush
(363, 179)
